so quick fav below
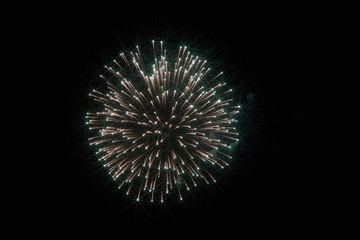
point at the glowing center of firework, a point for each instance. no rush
(168, 133)
(165, 130)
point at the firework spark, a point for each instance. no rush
(165, 124)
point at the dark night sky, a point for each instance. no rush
(270, 51)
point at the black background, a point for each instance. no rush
(270, 52)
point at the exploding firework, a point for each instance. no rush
(166, 122)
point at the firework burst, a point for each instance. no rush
(166, 122)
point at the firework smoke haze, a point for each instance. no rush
(166, 122)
